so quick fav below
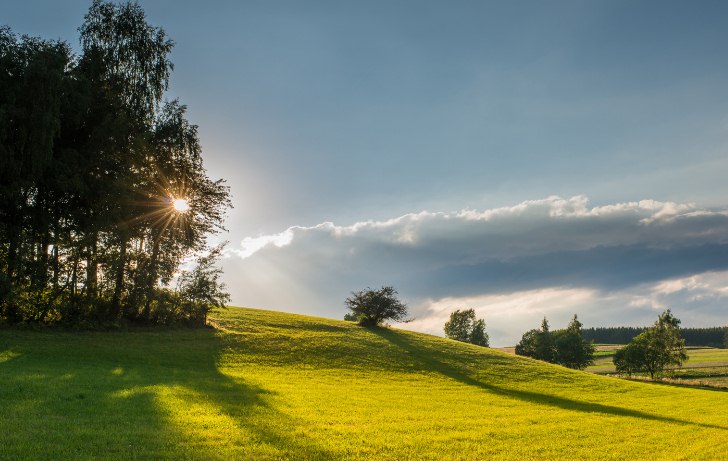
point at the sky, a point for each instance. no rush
(525, 158)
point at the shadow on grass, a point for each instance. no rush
(436, 361)
(137, 396)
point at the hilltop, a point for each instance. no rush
(270, 385)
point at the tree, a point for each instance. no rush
(478, 336)
(652, 351)
(372, 307)
(538, 344)
(564, 347)
(572, 350)
(629, 359)
(351, 317)
(201, 290)
(725, 340)
(91, 159)
(463, 326)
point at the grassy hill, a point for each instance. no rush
(266, 385)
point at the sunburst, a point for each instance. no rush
(180, 205)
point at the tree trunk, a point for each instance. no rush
(119, 283)
(151, 277)
(92, 267)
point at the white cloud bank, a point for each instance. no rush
(700, 300)
(610, 264)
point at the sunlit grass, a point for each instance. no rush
(267, 385)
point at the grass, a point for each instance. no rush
(266, 385)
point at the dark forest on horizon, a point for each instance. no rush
(709, 337)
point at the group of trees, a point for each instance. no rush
(655, 349)
(564, 347)
(464, 326)
(651, 351)
(92, 160)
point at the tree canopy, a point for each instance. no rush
(653, 350)
(564, 347)
(572, 350)
(92, 159)
(464, 326)
(372, 307)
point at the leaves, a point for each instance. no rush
(653, 350)
(464, 327)
(90, 160)
(372, 307)
(565, 347)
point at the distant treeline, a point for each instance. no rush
(711, 337)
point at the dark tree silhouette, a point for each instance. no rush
(564, 347)
(91, 161)
(372, 307)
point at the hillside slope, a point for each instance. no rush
(268, 385)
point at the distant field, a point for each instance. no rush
(274, 386)
(706, 365)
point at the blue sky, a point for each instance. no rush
(374, 112)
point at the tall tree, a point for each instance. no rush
(129, 59)
(32, 74)
(92, 160)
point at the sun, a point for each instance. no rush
(180, 205)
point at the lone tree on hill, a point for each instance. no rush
(372, 307)
(463, 326)
(652, 351)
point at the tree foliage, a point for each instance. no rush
(201, 290)
(91, 157)
(653, 350)
(372, 307)
(351, 317)
(564, 347)
(572, 350)
(538, 344)
(464, 326)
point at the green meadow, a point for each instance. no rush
(265, 385)
(706, 366)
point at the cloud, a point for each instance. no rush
(251, 245)
(549, 249)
